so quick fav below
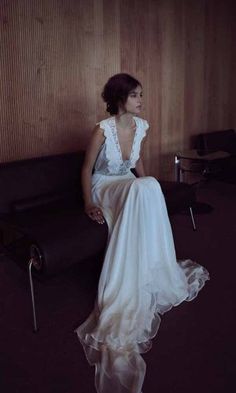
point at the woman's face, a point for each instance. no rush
(134, 101)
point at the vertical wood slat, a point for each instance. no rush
(56, 56)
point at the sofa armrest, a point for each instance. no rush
(62, 238)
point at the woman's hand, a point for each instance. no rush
(95, 213)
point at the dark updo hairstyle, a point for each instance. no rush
(116, 91)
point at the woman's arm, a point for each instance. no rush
(139, 168)
(93, 211)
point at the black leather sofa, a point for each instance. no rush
(41, 206)
(42, 221)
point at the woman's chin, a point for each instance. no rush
(136, 111)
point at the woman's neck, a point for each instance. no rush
(124, 120)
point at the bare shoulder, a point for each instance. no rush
(96, 141)
(142, 123)
(98, 133)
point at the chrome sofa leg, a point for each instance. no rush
(31, 263)
(192, 218)
(35, 261)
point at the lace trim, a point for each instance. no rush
(112, 156)
(141, 131)
(115, 162)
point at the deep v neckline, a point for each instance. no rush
(118, 142)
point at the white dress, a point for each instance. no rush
(141, 277)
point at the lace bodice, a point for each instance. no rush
(109, 160)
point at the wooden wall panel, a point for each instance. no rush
(218, 64)
(172, 80)
(194, 72)
(56, 55)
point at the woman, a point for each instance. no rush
(140, 278)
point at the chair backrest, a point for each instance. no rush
(40, 177)
(217, 140)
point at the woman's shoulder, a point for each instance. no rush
(106, 126)
(109, 123)
(105, 122)
(142, 123)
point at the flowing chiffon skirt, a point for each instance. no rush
(140, 280)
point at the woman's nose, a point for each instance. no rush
(140, 99)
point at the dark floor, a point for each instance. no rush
(194, 350)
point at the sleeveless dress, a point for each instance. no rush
(141, 277)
